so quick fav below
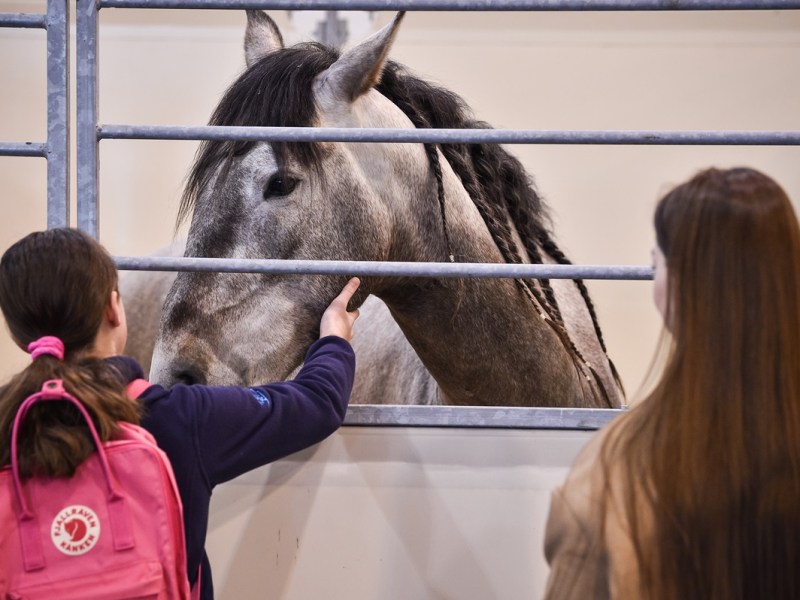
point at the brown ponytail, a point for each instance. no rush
(58, 283)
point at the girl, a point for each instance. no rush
(62, 284)
(695, 492)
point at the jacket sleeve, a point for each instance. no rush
(239, 429)
(577, 570)
(573, 544)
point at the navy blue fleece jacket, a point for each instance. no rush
(213, 434)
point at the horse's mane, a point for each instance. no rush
(275, 91)
(496, 181)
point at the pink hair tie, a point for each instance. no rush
(47, 345)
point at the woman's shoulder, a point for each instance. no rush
(588, 464)
(583, 518)
(595, 481)
(573, 536)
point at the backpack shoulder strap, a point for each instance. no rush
(137, 387)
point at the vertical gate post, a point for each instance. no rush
(57, 23)
(86, 117)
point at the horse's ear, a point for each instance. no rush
(261, 37)
(360, 68)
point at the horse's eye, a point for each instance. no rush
(279, 185)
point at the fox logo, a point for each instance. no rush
(75, 530)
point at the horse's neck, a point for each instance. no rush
(463, 329)
(461, 335)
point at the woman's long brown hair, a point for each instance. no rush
(59, 282)
(710, 460)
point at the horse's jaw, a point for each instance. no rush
(186, 363)
(259, 337)
(168, 369)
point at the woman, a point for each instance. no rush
(58, 294)
(695, 492)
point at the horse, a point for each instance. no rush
(462, 341)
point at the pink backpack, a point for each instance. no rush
(112, 531)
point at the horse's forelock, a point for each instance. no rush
(276, 91)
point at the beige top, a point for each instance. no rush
(583, 566)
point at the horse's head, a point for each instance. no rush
(296, 200)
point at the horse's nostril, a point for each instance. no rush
(189, 376)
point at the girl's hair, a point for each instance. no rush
(58, 283)
(712, 455)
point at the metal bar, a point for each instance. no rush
(479, 416)
(57, 113)
(23, 20)
(86, 120)
(23, 149)
(383, 268)
(458, 136)
(463, 5)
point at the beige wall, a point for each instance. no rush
(396, 513)
(393, 513)
(666, 70)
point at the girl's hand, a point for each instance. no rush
(336, 320)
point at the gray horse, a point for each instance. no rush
(484, 341)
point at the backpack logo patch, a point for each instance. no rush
(75, 530)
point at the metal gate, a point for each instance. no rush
(90, 133)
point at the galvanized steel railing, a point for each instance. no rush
(462, 5)
(449, 136)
